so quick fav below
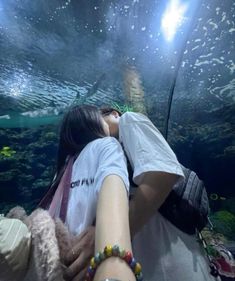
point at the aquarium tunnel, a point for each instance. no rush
(173, 60)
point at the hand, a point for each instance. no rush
(79, 256)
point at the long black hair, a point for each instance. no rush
(80, 125)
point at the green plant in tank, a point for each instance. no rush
(224, 222)
(6, 151)
(122, 107)
(50, 136)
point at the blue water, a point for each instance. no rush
(57, 53)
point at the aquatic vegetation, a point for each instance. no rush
(122, 107)
(50, 136)
(211, 236)
(219, 251)
(25, 177)
(6, 151)
(224, 216)
(224, 222)
(9, 176)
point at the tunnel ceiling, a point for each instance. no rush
(52, 52)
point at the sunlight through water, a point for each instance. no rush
(173, 18)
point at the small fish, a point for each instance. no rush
(215, 196)
(6, 151)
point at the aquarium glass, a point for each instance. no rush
(178, 56)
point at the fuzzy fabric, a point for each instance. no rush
(50, 244)
(64, 238)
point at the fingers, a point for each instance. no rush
(80, 276)
(73, 255)
(75, 251)
(79, 256)
(77, 239)
(77, 267)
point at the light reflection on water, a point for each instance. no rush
(52, 54)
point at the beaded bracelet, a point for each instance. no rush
(114, 251)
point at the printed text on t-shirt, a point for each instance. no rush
(82, 182)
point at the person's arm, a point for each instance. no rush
(151, 193)
(112, 161)
(112, 227)
(156, 168)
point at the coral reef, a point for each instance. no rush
(26, 174)
(224, 222)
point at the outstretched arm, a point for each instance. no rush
(112, 219)
(112, 227)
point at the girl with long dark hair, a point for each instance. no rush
(98, 187)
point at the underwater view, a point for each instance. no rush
(172, 60)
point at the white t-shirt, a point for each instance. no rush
(165, 252)
(100, 158)
(145, 146)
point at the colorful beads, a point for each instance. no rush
(133, 264)
(93, 263)
(128, 257)
(122, 254)
(116, 252)
(138, 268)
(108, 251)
(91, 271)
(139, 277)
(97, 258)
(102, 256)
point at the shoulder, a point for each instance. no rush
(132, 117)
(109, 148)
(105, 143)
(101, 147)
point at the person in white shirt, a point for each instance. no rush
(99, 187)
(165, 252)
